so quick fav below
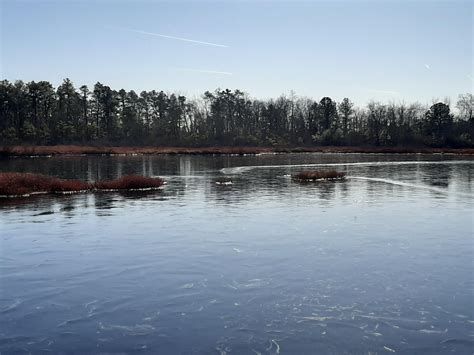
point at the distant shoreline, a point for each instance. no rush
(65, 150)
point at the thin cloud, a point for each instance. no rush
(427, 66)
(205, 71)
(469, 77)
(170, 37)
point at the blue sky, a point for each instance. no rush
(381, 50)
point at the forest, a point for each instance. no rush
(38, 113)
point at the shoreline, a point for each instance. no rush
(72, 150)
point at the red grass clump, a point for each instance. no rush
(58, 185)
(130, 182)
(20, 184)
(319, 175)
(223, 180)
(12, 184)
(25, 184)
(25, 150)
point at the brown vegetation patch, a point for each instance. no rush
(24, 150)
(58, 185)
(319, 175)
(14, 184)
(223, 180)
(130, 182)
(25, 184)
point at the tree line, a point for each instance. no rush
(38, 113)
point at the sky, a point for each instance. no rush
(389, 51)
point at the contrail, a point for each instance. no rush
(170, 37)
(205, 71)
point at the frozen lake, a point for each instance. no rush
(379, 263)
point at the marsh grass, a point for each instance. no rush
(26, 184)
(32, 150)
(223, 180)
(130, 182)
(319, 175)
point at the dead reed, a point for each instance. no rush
(26, 184)
(130, 182)
(223, 180)
(31, 150)
(319, 175)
